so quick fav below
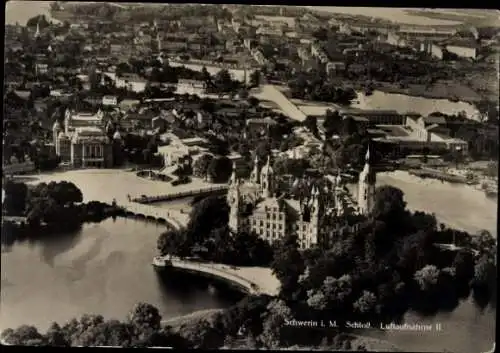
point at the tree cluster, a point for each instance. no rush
(387, 264)
(141, 329)
(317, 89)
(208, 237)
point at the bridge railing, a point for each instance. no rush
(179, 194)
(252, 287)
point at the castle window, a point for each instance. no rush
(280, 227)
(261, 223)
(274, 216)
(280, 216)
(268, 216)
(274, 226)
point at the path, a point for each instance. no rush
(254, 280)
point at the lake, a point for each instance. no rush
(403, 103)
(397, 15)
(22, 11)
(106, 268)
(103, 269)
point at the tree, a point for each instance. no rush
(365, 303)
(15, 198)
(427, 277)
(55, 336)
(255, 78)
(243, 93)
(288, 265)
(220, 169)
(39, 20)
(24, 335)
(389, 203)
(263, 150)
(145, 316)
(274, 319)
(168, 242)
(332, 123)
(485, 243)
(316, 299)
(200, 166)
(210, 213)
(223, 80)
(311, 123)
(253, 101)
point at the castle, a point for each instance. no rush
(82, 141)
(254, 206)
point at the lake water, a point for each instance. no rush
(397, 15)
(22, 11)
(104, 269)
(465, 330)
(403, 103)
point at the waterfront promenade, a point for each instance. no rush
(252, 280)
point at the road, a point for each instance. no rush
(273, 94)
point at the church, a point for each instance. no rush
(255, 207)
(82, 141)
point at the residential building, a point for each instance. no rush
(467, 50)
(432, 49)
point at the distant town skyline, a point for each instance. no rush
(21, 10)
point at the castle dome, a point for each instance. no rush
(117, 136)
(56, 126)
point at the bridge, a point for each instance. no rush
(253, 280)
(181, 194)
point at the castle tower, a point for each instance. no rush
(233, 200)
(366, 187)
(254, 176)
(266, 179)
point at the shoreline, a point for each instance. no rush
(191, 319)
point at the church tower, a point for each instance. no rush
(37, 33)
(56, 130)
(233, 200)
(366, 187)
(266, 179)
(339, 207)
(315, 216)
(254, 176)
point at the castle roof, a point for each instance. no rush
(269, 203)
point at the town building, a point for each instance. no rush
(467, 50)
(432, 49)
(82, 141)
(255, 206)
